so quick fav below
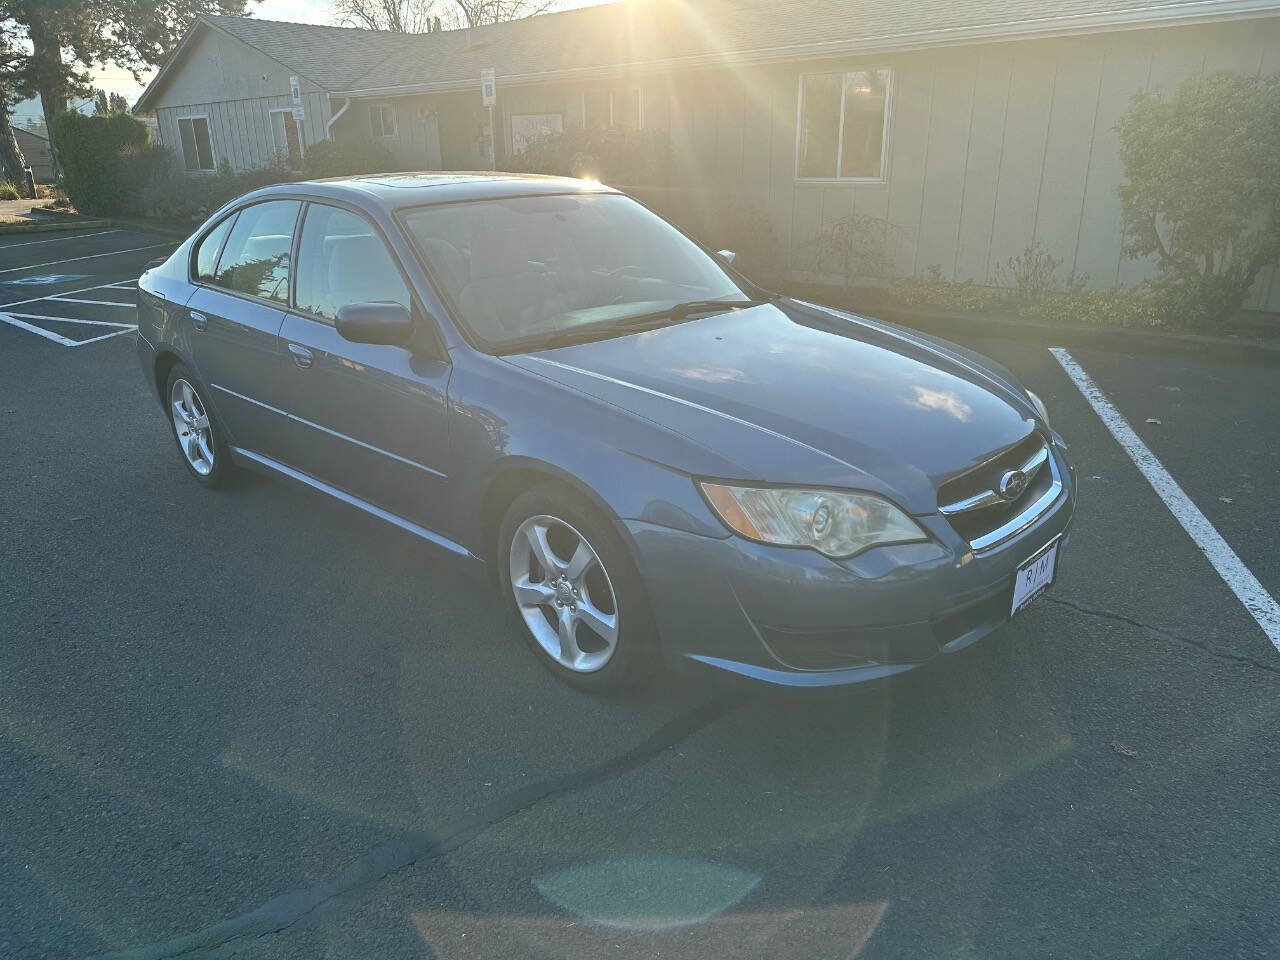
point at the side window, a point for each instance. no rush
(256, 258)
(342, 260)
(207, 251)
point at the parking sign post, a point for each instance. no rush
(489, 97)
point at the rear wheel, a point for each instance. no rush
(574, 590)
(197, 432)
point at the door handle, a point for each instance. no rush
(199, 320)
(301, 355)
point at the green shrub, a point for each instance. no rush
(8, 191)
(142, 166)
(1031, 273)
(1202, 191)
(1093, 308)
(342, 158)
(855, 246)
(932, 291)
(1036, 299)
(182, 200)
(615, 156)
(90, 151)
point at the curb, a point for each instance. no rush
(148, 227)
(9, 229)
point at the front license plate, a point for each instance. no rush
(1034, 576)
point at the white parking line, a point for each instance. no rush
(78, 236)
(38, 331)
(1260, 604)
(100, 303)
(20, 319)
(92, 256)
(93, 323)
(19, 303)
(105, 336)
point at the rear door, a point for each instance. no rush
(235, 317)
(371, 419)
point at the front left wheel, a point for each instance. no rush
(196, 430)
(577, 596)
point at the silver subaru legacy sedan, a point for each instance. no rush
(655, 459)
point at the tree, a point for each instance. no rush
(68, 36)
(398, 16)
(1202, 191)
(478, 13)
(427, 16)
(12, 162)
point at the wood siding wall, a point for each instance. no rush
(991, 147)
(240, 130)
(236, 86)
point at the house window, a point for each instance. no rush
(841, 130)
(197, 148)
(382, 119)
(612, 108)
(528, 127)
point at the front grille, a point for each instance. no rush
(971, 502)
(987, 474)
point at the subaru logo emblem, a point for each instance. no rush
(1012, 484)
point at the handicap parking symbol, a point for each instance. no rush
(44, 279)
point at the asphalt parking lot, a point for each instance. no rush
(253, 722)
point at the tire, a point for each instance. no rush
(608, 585)
(203, 451)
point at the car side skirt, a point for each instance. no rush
(256, 461)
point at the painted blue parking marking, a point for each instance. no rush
(43, 279)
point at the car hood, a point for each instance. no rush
(793, 393)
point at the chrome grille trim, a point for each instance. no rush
(989, 498)
(1016, 524)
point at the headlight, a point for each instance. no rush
(832, 522)
(1040, 407)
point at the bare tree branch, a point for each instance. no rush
(397, 16)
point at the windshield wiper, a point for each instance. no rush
(682, 311)
(599, 331)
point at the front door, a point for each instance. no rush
(235, 317)
(370, 419)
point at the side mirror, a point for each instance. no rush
(380, 322)
(728, 256)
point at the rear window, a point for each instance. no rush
(256, 258)
(207, 251)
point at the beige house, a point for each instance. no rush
(974, 130)
(35, 148)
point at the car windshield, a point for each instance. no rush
(526, 269)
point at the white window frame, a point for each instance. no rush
(213, 153)
(639, 91)
(884, 140)
(377, 109)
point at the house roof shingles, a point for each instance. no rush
(659, 32)
(652, 34)
(332, 57)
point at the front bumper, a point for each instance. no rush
(794, 618)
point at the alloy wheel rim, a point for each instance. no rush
(191, 425)
(564, 594)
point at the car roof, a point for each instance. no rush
(395, 190)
